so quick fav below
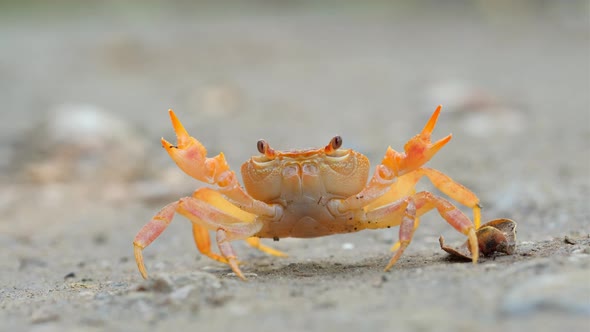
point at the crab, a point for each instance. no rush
(308, 193)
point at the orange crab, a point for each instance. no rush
(308, 193)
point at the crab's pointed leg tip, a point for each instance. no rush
(139, 260)
(390, 264)
(240, 275)
(474, 245)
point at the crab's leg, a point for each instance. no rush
(223, 242)
(191, 156)
(150, 231)
(404, 213)
(405, 185)
(209, 211)
(203, 242)
(398, 243)
(200, 233)
(454, 190)
(224, 221)
(406, 231)
(426, 201)
(255, 243)
(418, 150)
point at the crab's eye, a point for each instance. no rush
(336, 142)
(332, 148)
(265, 149)
(261, 145)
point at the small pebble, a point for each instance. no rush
(568, 240)
(347, 246)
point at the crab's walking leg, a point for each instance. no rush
(426, 201)
(398, 243)
(223, 242)
(226, 225)
(453, 189)
(203, 242)
(150, 232)
(405, 186)
(406, 231)
(404, 213)
(191, 156)
(208, 211)
(255, 243)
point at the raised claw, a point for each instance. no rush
(424, 137)
(191, 156)
(418, 150)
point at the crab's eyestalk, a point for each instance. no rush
(264, 148)
(335, 144)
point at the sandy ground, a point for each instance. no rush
(74, 191)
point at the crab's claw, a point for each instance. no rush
(418, 150)
(191, 156)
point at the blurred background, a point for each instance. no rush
(85, 87)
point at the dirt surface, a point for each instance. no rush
(84, 95)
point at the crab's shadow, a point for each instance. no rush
(345, 269)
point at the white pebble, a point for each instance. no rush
(347, 246)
